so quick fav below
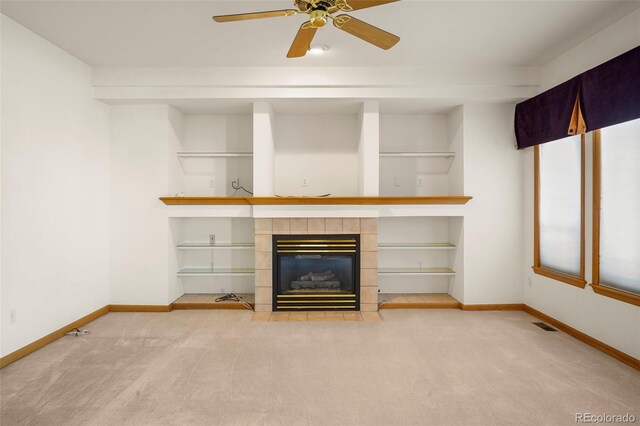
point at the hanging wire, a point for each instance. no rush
(236, 185)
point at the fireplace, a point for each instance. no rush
(316, 272)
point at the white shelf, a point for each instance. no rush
(423, 246)
(217, 246)
(196, 154)
(417, 271)
(418, 154)
(207, 272)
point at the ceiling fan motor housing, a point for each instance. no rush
(308, 6)
(318, 18)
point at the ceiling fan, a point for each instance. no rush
(320, 11)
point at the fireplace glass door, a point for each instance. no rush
(316, 272)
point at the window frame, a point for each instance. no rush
(596, 285)
(577, 281)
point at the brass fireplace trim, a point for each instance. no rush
(351, 240)
(317, 295)
(322, 307)
(316, 251)
(314, 245)
(318, 301)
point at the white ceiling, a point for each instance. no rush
(434, 33)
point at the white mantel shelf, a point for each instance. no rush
(201, 201)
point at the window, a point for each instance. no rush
(616, 212)
(559, 210)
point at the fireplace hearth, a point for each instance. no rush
(316, 272)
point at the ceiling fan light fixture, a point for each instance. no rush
(318, 49)
(318, 18)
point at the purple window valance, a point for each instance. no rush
(546, 117)
(603, 96)
(611, 91)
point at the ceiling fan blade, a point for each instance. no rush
(303, 40)
(255, 15)
(366, 32)
(362, 4)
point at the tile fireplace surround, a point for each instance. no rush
(366, 227)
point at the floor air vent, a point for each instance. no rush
(544, 326)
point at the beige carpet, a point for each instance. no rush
(220, 368)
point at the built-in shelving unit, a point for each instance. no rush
(203, 272)
(417, 301)
(219, 246)
(419, 172)
(417, 246)
(419, 154)
(224, 266)
(203, 201)
(214, 301)
(418, 255)
(214, 154)
(214, 272)
(416, 271)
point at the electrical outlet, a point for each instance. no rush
(12, 316)
(212, 182)
(419, 182)
(305, 181)
(212, 239)
(396, 181)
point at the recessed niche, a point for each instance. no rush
(316, 154)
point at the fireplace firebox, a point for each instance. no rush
(316, 272)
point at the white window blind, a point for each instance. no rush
(560, 205)
(620, 206)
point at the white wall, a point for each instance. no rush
(322, 148)
(608, 320)
(493, 225)
(1, 311)
(141, 136)
(54, 189)
(176, 185)
(612, 41)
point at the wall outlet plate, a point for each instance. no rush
(212, 239)
(12, 316)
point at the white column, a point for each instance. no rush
(263, 150)
(369, 150)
